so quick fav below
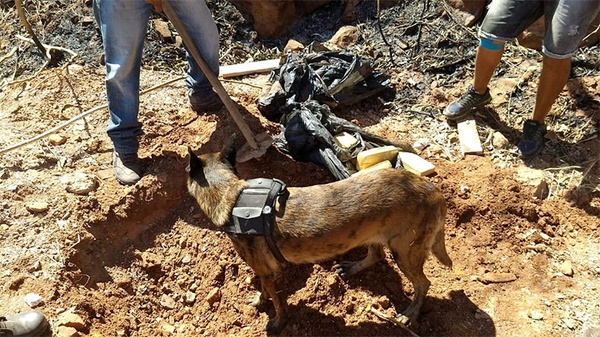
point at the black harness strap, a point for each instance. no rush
(253, 213)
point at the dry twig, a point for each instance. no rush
(392, 320)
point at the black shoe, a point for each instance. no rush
(532, 141)
(466, 103)
(27, 324)
(207, 101)
(127, 168)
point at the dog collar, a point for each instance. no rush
(253, 213)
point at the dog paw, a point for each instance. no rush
(275, 326)
(344, 268)
(256, 300)
(403, 319)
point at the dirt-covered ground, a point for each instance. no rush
(144, 260)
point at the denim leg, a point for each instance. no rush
(506, 19)
(123, 27)
(567, 26)
(198, 21)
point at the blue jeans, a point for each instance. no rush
(123, 26)
(566, 22)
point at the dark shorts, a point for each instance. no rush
(566, 22)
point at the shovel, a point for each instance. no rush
(255, 147)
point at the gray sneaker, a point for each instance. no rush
(466, 103)
(26, 324)
(127, 168)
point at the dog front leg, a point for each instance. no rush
(279, 302)
(348, 268)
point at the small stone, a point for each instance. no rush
(570, 323)
(72, 320)
(499, 141)
(384, 302)
(65, 331)
(56, 139)
(345, 37)
(542, 191)
(567, 268)
(536, 315)
(186, 259)
(190, 297)
(162, 29)
(294, 46)
(167, 327)
(213, 296)
(79, 183)
(33, 300)
(167, 302)
(37, 206)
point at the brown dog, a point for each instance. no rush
(390, 207)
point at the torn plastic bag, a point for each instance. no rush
(308, 135)
(333, 78)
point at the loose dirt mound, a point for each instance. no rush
(144, 260)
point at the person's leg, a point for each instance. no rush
(566, 23)
(486, 62)
(198, 21)
(504, 21)
(123, 27)
(554, 76)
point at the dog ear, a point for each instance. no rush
(228, 151)
(194, 167)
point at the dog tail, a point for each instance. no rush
(439, 247)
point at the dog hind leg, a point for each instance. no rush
(411, 264)
(348, 268)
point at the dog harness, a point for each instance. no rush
(253, 213)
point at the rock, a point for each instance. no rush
(213, 296)
(499, 141)
(274, 18)
(72, 320)
(186, 259)
(56, 139)
(384, 302)
(79, 183)
(167, 302)
(167, 327)
(293, 46)
(567, 268)
(33, 300)
(65, 331)
(190, 297)
(542, 191)
(4, 174)
(345, 37)
(538, 316)
(37, 206)
(162, 29)
(421, 144)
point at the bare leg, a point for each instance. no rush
(555, 73)
(486, 62)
